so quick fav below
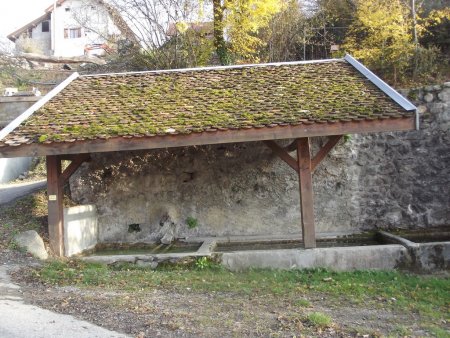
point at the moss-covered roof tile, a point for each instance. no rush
(197, 101)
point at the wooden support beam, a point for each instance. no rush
(324, 151)
(69, 157)
(73, 166)
(291, 147)
(229, 136)
(306, 192)
(292, 162)
(55, 205)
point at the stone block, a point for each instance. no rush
(444, 95)
(429, 97)
(422, 109)
(147, 264)
(80, 229)
(437, 108)
(385, 257)
(32, 243)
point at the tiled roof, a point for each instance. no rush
(197, 101)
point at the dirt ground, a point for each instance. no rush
(191, 314)
(168, 312)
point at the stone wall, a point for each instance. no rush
(12, 106)
(390, 180)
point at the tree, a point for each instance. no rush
(380, 36)
(241, 20)
(283, 38)
(437, 30)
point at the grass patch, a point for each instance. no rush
(302, 303)
(28, 213)
(426, 296)
(319, 320)
(423, 298)
(400, 331)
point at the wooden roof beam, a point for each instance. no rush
(204, 138)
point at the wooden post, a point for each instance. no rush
(306, 192)
(55, 205)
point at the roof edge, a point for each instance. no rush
(27, 113)
(252, 65)
(121, 143)
(383, 86)
(15, 35)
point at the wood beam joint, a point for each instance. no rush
(323, 152)
(283, 154)
(291, 147)
(77, 161)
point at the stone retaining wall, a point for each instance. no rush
(379, 181)
(12, 106)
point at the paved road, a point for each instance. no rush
(11, 192)
(19, 320)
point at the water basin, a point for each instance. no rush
(295, 244)
(113, 249)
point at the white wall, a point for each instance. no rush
(80, 229)
(40, 42)
(11, 168)
(94, 23)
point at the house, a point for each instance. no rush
(68, 28)
(103, 116)
(202, 29)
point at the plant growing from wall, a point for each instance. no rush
(191, 222)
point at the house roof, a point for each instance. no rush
(50, 8)
(198, 27)
(208, 105)
(16, 34)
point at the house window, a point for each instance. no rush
(45, 26)
(72, 33)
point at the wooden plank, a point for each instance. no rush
(73, 166)
(306, 192)
(292, 162)
(324, 151)
(55, 205)
(228, 136)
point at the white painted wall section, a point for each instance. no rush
(80, 229)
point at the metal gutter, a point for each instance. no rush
(253, 65)
(388, 90)
(27, 113)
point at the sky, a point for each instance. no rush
(17, 13)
